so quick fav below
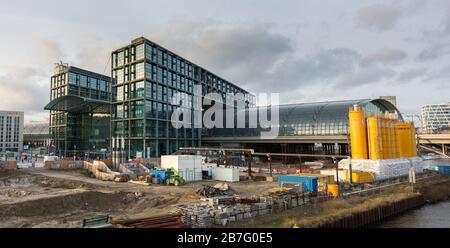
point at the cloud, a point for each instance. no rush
(24, 89)
(434, 51)
(409, 75)
(442, 74)
(254, 57)
(365, 76)
(384, 56)
(378, 17)
(94, 54)
(239, 51)
(48, 51)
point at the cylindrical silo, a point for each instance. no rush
(404, 139)
(358, 133)
(374, 140)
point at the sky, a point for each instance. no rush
(305, 50)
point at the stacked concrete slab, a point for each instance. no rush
(215, 212)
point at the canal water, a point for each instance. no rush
(430, 216)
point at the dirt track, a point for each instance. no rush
(43, 198)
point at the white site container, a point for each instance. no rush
(189, 166)
(230, 174)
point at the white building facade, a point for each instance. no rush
(11, 131)
(436, 118)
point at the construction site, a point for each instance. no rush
(115, 156)
(203, 187)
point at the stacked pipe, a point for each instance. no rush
(380, 137)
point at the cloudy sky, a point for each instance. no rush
(304, 50)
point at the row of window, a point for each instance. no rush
(153, 128)
(154, 73)
(88, 82)
(169, 70)
(157, 147)
(154, 92)
(78, 91)
(153, 109)
(157, 55)
(8, 145)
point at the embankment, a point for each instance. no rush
(359, 211)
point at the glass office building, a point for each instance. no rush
(436, 118)
(145, 78)
(79, 112)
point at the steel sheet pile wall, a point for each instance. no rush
(372, 216)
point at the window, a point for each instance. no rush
(119, 76)
(119, 111)
(72, 78)
(150, 109)
(140, 52)
(93, 83)
(103, 86)
(83, 81)
(137, 109)
(159, 56)
(149, 71)
(120, 93)
(140, 89)
(159, 93)
(148, 51)
(159, 75)
(139, 71)
(120, 59)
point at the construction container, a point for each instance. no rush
(310, 184)
(360, 177)
(227, 174)
(374, 134)
(444, 170)
(322, 180)
(333, 190)
(188, 166)
(358, 133)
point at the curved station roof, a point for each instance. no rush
(314, 119)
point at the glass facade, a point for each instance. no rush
(79, 128)
(145, 79)
(436, 118)
(311, 119)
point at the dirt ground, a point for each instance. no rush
(44, 198)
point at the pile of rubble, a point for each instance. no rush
(221, 210)
(220, 189)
